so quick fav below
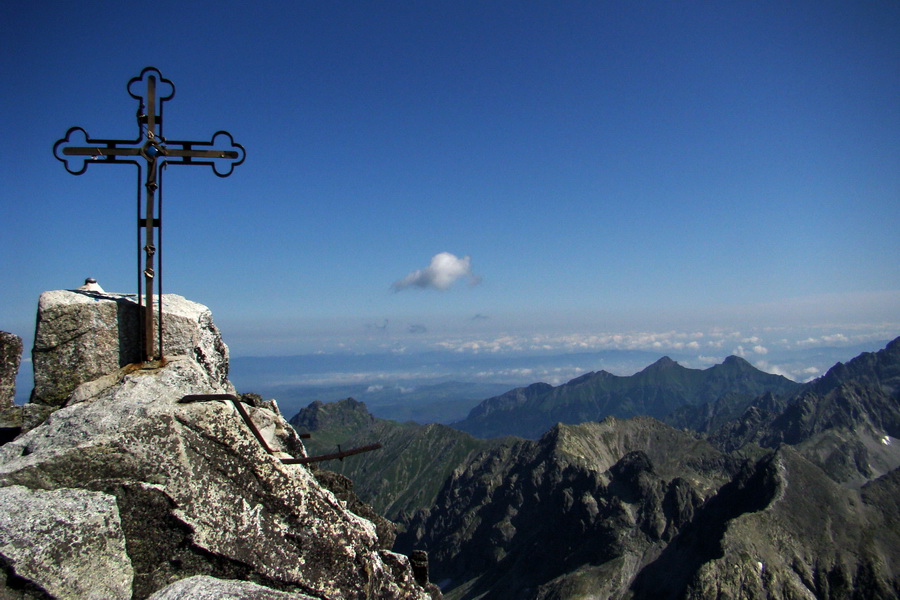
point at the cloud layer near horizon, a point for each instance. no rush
(445, 269)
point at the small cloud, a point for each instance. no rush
(417, 329)
(445, 269)
(758, 349)
(480, 317)
(837, 337)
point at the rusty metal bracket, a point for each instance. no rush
(206, 398)
(238, 405)
(340, 455)
(246, 417)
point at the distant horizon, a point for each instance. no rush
(798, 352)
(393, 385)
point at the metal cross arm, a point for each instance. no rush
(218, 157)
(152, 152)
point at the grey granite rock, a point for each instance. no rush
(197, 493)
(83, 335)
(10, 357)
(67, 542)
(203, 587)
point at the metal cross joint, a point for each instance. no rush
(153, 152)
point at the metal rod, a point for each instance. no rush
(336, 455)
(159, 261)
(89, 151)
(246, 417)
(140, 280)
(149, 251)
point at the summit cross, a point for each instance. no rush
(77, 150)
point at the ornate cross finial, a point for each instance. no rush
(151, 150)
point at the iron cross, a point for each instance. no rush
(77, 150)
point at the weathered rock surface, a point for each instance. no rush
(40, 531)
(83, 335)
(185, 487)
(10, 357)
(202, 587)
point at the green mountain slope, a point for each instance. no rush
(406, 473)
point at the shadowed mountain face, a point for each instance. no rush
(795, 498)
(636, 509)
(657, 391)
(847, 421)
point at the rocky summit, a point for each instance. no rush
(145, 481)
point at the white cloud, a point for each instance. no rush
(838, 337)
(760, 349)
(773, 369)
(445, 269)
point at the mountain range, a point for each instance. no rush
(656, 391)
(767, 488)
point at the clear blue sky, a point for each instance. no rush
(652, 169)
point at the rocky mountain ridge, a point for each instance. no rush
(793, 499)
(635, 509)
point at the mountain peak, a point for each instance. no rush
(344, 413)
(663, 364)
(736, 361)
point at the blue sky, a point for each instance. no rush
(475, 176)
